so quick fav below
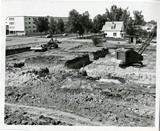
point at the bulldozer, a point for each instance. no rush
(44, 47)
(128, 56)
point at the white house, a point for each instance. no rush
(113, 29)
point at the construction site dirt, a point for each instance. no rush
(47, 88)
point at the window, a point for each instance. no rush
(11, 23)
(11, 18)
(114, 34)
(33, 26)
(29, 18)
(26, 23)
(26, 27)
(11, 27)
(113, 26)
(29, 27)
(29, 22)
(34, 31)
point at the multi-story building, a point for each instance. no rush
(24, 25)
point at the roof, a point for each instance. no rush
(65, 19)
(113, 26)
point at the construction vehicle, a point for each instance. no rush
(44, 47)
(128, 56)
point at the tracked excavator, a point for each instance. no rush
(128, 56)
(44, 47)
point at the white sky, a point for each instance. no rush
(62, 8)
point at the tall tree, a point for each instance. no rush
(52, 26)
(74, 22)
(98, 23)
(86, 22)
(42, 24)
(138, 18)
(114, 14)
(130, 27)
(60, 26)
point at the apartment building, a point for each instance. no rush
(24, 25)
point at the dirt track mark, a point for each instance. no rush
(55, 114)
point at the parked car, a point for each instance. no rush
(153, 41)
(48, 36)
(65, 34)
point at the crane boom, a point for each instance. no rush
(147, 42)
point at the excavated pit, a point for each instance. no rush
(42, 61)
(71, 60)
(78, 62)
(105, 95)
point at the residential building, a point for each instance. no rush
(24, 25)
(113, 29)
(148, 27)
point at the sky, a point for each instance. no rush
(61, 8)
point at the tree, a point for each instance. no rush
(42, 24)
(138, 18)
(114, 14)
(98, 23)
(60, 26)
(52, 26)
(86, 22)
(130, 27)
(74, 22)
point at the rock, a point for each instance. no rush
(83, 72)
(19, 65)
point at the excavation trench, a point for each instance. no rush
(99, 54)
(18, 50)
(68, 60)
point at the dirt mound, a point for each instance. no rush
(41, 72)
(20, 117)
(106, 103)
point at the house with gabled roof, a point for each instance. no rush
(113, 29)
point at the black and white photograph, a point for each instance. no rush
(80, 63)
